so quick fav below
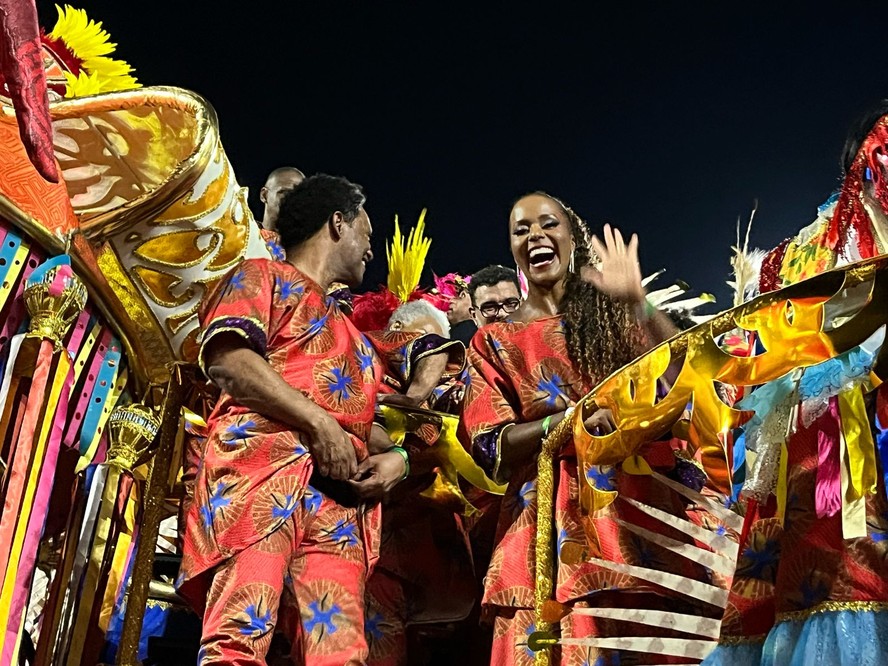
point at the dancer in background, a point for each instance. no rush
(495, 294)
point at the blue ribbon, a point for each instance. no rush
(107, 374)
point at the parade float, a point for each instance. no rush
(119, 210)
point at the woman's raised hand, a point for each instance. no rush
(618, 273)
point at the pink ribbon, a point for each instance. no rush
(36, 523)
(88, 383)
(17, 309)
(828, 489)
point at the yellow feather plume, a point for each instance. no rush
(92, 46)
(406, 260)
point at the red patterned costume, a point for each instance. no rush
(425, 574)
(521, 372)
(256, 524)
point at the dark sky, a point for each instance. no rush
(667, 119)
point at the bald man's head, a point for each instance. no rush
(279, 182)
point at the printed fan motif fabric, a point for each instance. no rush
(255, 470)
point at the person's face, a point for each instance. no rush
(353, 249)
(272, 194)
(541, 240)
(460, 308)
(424, 325)
(495, 302)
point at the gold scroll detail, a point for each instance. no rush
(797, 332)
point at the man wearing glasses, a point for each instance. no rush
(495, 294)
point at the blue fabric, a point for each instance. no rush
(745, 654)
(837, 638)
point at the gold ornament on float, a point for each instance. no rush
(132, 430)
(54, 300)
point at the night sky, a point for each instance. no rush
(667, 121)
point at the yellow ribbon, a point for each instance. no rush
(452, 459)
(80, 631)
(859, 442)
(121, 555)
(58, 382)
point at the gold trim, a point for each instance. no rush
(180, 180)
(97, 292)
(731, 641)
(834, 607)
(544, 587)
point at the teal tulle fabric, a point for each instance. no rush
(839, 638)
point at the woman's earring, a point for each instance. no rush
(522, 281)
(570, 265)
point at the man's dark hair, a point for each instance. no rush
(309, 206)
(491, 275)
(858, 131)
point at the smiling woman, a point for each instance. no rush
(584, 317)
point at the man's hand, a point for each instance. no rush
(377, 475)
(331, 448)
(600, 422)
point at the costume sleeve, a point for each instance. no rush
(400, 352)
(242, 304)
(490, 403)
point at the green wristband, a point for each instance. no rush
(400, 449)
(547, 422)
(649, 310)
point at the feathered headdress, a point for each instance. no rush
(665, 299)
(746, 265)
(83, 51)
(406, 259)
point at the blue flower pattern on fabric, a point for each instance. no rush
(257, 624)
(238, 432)
(601, 477)
(237, 280)
(277, 252)
(551, 387)
(288, 289)
(340, 385)
(285, 506)
(311, 500)
(365, 356)
(527, 632)
(344, 534)
(316, 325)
(760, 559)
(526, 494)
(373, 628)
(215, 503)
(322, 618)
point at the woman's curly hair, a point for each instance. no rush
(601, 333)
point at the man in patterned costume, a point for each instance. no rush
(279, 496)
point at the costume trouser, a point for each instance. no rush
(317, 556)
(385, 622)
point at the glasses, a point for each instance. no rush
(492, 308)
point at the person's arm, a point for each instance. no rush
(427, 375)
(252, 382)
(521, 442)
(657, 326)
